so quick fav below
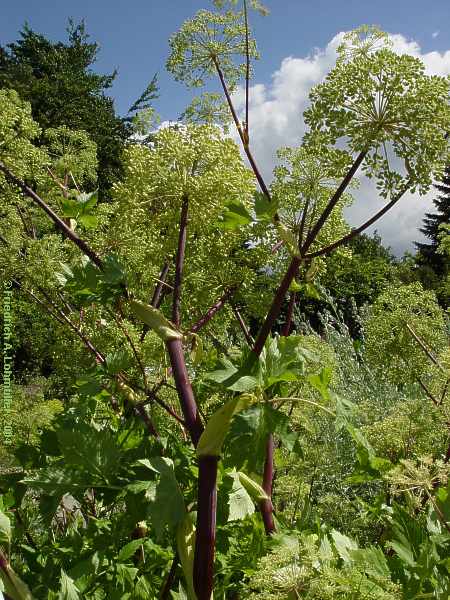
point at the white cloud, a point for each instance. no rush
(275, 117)
(435, 34)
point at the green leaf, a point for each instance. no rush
(321, 382)
(125, 574)
(372, 561)
(68, 589)
(311, 291)
(233, 378)
(113, 272)
(96, 451)
(345, 412)
(5, 529)
(118, 360)
(57, 480)
(240, 503)
(249, 431)
(370, 467)
(166, 503)
(197, 352)
(234, 216)
(130, 549)
(13, 585)
(344, 545)
(186, 547)
(295, 286)
(212, 438)
(289, 239)
(282, 359)
(81, 571)
(88, 221)
(70, 208)
(87, 200)
(264, 209)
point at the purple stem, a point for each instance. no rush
(53, 216)
(184, 389)
(346, 238)
(250, 341)
(206, 527)
(169, 580)
(332, 202)
(212, 311)
(274, 310)
(157, 294)
(266, 506)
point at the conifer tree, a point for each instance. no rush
(63, 90)
(428, 253)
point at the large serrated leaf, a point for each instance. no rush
(240, 503)
(129, 549)
(234, 216)
(68, 589)
(166, 502)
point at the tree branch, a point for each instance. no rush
(332, 203)
(250, 341)
(274, 310)
(361, 228)
(82, 245)
(206, 318)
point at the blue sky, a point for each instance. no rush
(297, 43)
(133, 35)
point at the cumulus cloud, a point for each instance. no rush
(275, 115)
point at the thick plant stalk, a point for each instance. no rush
(203, 569)
(206, 527)
(265, 506)
(175, 345)
(165, 592)
(184, 389)
(274, 310)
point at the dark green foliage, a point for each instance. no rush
(362, 276)
(428, 254)
(58, 80)
(433, 266)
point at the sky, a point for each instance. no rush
(297, 43)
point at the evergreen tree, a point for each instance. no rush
(428, 255)
(58, 81)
